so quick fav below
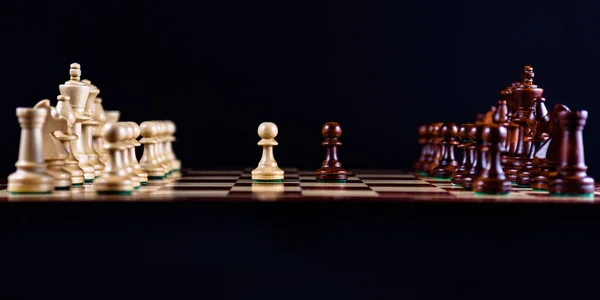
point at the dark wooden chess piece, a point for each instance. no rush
(331, 169)
(423, 139)
(501, 117)
(468, 153)
(524, 174)
(542, 134)
(492, 179)
(476, 135)
(523, 97)
(448, 163)
(542, 122)
(511, 128)
(437, 150)
(572, 178)
(548, 167)
(507, 95)
(428, 155)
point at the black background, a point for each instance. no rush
(220, 68)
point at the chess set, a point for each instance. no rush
(517, 152)
(518, 144)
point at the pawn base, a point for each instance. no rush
(572, 185)
(524, 177)
(24, 182)
(542, 181)
(467, 181)
(113, 184)
(89, 177)
(154, 173)
(143, 176)
(114, 192)
(62, 185)
(268, 173)
(492, 193)
(456, 177)
(331, 174)
(456, 180)
(331, 177)
(443, 171)
(267, 180)
(511, 174)
(572, 195)
(333, 181)
(77, 180)
(30, 193)
(494, 186)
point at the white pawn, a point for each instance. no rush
(128, 164)
(176, 163)
(149, 161)
(267, 170)
(133, 142)
(114, 179)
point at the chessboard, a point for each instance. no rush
(300, 185)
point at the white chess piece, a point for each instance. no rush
(77, 93)
(267, 170)
(53, 152)
(149, 161)
(31, 176)
(115, 179)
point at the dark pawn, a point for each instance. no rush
(572, 178)
(492, 179)
(448, 163)
(468, 154)
(436, 146)
(476, 135)
(331, 170)
(502, 117)
(549, 165)
(423, 142)
(428, 151)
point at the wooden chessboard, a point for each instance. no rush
(300, 185)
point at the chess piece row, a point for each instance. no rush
(158, 158)
(123, 173)
(268, 170)
(518, 142)
(63, 146)
(44, 165)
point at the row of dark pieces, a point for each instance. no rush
(522, 111)
(497, 156)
